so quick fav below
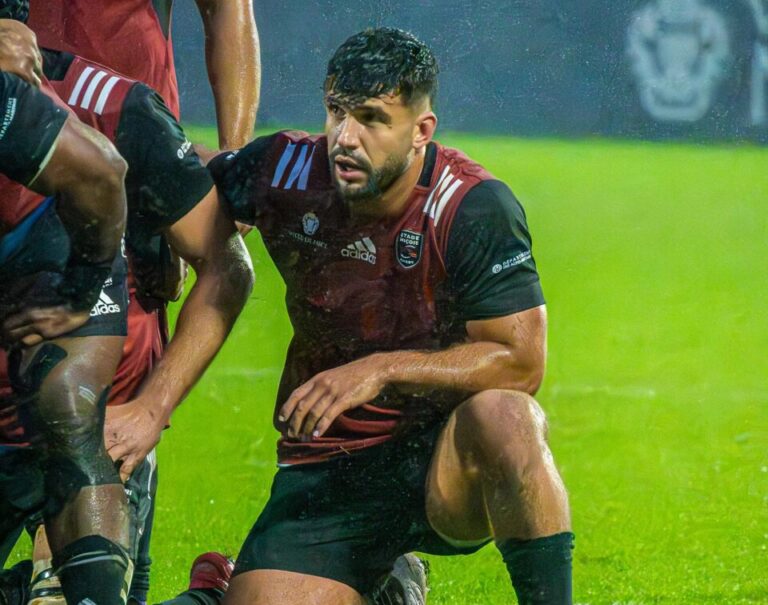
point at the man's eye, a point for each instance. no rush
(335, 110)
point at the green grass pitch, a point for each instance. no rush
(653, 259)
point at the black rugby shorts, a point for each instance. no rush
(350, 517)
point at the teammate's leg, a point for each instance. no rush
(141, 489)
(64, 384)
(272, 587)
(493, 475)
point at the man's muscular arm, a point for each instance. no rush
(504, 353)
(209, 242)
(234, 67)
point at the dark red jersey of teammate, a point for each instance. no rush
(132, 37)
(352, 289)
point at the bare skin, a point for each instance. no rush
(234, 67)
(271, 587)
(19, 53)
(209, 241)
(492, 474)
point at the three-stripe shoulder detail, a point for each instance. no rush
(441, 194)
(92, 90)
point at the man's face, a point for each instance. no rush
(369, 144)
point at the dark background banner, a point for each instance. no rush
(682, 69)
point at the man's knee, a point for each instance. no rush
(70, 413)
(497, 420)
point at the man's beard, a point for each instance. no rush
(378, 181)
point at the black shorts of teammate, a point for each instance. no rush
(32, 259)
(350, 517)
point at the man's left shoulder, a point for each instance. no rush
(462, 165)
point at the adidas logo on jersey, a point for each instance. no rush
(363, 249)
(104, 306)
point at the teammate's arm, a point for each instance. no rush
(172, 194)
(234, 67)
(19, 53)
(209, 242)
(86, 174)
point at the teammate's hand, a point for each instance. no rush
(33, 326)
(312, 408)
(131, 431)
(19, 53)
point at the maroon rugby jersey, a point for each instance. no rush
(132, 37)
(460, 251)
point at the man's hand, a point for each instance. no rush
(33, 326)
(131, 431)
(312, 408)
(19, 53)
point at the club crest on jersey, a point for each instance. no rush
(363, 249)
(408, 248)
(310, 222)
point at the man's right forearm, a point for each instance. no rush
(234, 67)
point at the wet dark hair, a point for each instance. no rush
(14, 9)
(382, 61)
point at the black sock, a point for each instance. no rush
(197, 596)
(93, 569)
(540, 569)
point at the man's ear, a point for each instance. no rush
(424, 129)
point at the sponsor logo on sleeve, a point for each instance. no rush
(10, 112)
(184, 149)
(518, 259)
(408, 248)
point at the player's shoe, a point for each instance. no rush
(406, 584)
(14, 583)
(211, 570)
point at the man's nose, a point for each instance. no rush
(349, 133)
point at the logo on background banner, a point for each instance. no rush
(310, 222)
(408, 248)
(679, 52)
